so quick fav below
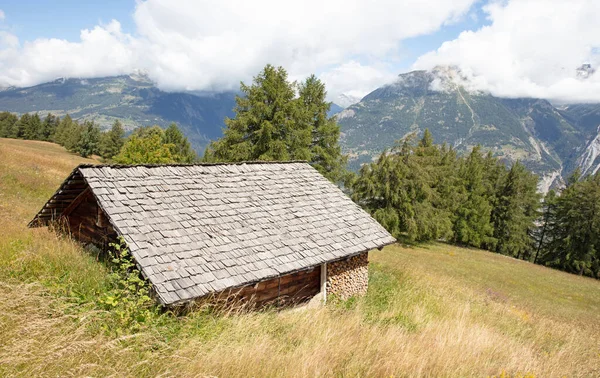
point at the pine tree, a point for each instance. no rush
(49, 127)
(68, 133)
(181, 150)
(472, 223)
(32, 128)
(325, 151)
(400, 191)
(21, 127)
(89, 140)
(112, 141)
(515, 211)
(8, 122)
(574, 230)
(61, 132)
(265, 126)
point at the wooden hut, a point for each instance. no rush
(265, 231)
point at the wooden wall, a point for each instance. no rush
(288, 289)
(88, 223)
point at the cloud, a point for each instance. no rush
(349, 82)
(101, 51)
(207, 45)
(2, 15)
(531, 48)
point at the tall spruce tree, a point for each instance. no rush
(472, 223)
(49, 127)
(265, 126)
(272, 123)
(515, 211)
(400, 191)
(89, 140)
(8, 122)
(32, 127)
(574, 228)
(325, 151)
(22, 127)
(112, 141)
(68, 133)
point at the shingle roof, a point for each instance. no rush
(199, 229)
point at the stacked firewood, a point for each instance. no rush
(348, 277)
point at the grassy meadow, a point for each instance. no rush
(433, 310)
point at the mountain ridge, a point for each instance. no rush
(550, 140)
(133, 99)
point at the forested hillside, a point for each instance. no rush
(134, 100)
(147, 144)
(422, 191)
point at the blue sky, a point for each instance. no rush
(64, 19)
(507, 47)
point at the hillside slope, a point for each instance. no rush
(550, 142)
(432, 310)
(133, 99)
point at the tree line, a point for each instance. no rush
(150, 144)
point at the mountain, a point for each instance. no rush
(133, 99)
(345, 100)
(550, 141)
(335, 109)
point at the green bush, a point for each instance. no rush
(128, 301)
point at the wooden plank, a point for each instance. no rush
(76, 202)
(69, 191)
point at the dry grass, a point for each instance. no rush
(434, 310)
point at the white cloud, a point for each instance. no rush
(2, 15)
(208, 45)
(531, 49)
(101, 51)
(349, 82)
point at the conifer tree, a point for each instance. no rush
(265, 126)
(271, 123)
(112, 141)
(325, 151)
(7, 123)
(31, 127)
(89, 140)
(472, 224)
(21, 127)
(515, 212)
(400, 191)
(49, 127)
(574, 228)
(68, 133)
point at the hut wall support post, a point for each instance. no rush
(324, 281)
